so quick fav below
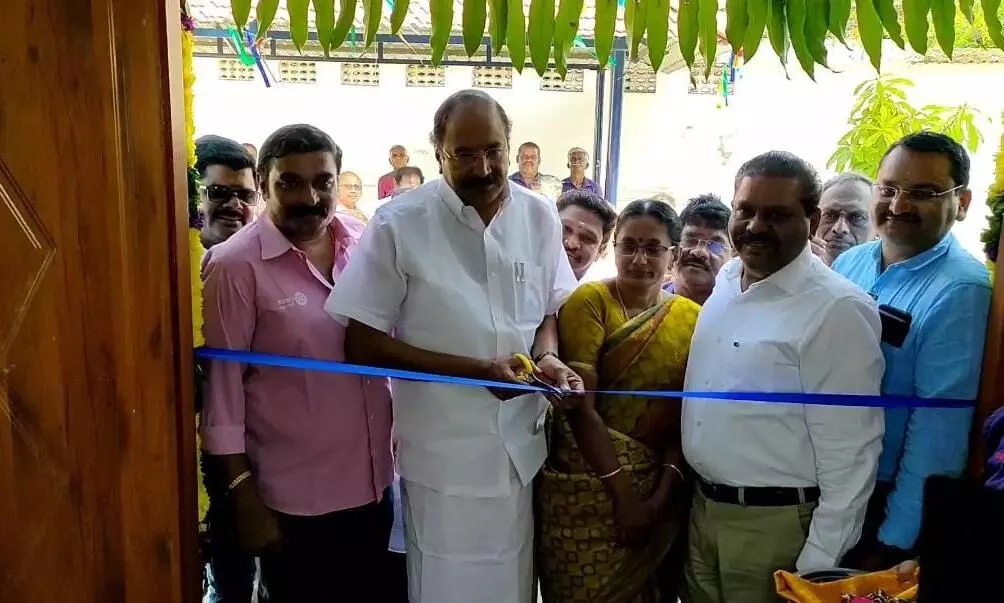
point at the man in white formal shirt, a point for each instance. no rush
(466, 272)
(780, 486)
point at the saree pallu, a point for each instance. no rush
(578, 558)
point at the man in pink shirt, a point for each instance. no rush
(304, 456)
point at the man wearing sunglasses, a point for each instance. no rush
(229, 187)
(704, 248)
(918, 267)
(227, 190)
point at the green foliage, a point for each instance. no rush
(800, 26)
(882, 115)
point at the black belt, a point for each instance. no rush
(758, 497)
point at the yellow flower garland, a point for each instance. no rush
(996, 192)
(194, 242)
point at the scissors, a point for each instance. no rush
(529, 375)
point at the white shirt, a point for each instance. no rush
(428, 270)
(803, 329)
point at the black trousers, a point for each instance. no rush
(340, 557)
(961, 542)
(231, 571)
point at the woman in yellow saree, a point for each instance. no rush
(609, 497)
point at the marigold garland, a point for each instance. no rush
(194, 213)
(995, 200)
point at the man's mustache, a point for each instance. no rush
(754, 239)
(307, 211)
(480, 183)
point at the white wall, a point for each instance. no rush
(366, 121)
(670, 141)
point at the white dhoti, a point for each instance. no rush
(463, 549)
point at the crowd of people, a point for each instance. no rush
(333, 487)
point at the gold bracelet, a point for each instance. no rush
(238, 480)
(611, 474)
(677, 469)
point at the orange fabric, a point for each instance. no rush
(792, 588)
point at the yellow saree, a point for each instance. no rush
(579, 561)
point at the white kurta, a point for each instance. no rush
(430, 271)
(803, 329)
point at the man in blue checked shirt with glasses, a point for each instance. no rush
(917, 266)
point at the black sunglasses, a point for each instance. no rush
(217, 193)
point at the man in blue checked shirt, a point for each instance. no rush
(917, 266)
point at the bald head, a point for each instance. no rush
(462, 99)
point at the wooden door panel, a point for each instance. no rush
(96, 444)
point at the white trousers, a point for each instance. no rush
(463, 549)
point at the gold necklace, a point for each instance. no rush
(620, 300)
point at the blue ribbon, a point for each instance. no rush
(328, 366)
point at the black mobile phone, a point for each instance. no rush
(895, 325)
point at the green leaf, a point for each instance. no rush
(372, 10)
(324, 15)
(516, 35)
(736, 24)
(777, 31)
(658, 32)
(566, 27)
(441, 13)
(991, 14)
(540, 33)
(795, 16)
(474, 15)
(817, 14)
(708, 33)
(966, 7)
(757, 10)
(297, 10)
(687, 25)
(635, 21)
(346, 16)
(241, 10)
(890, 20)
(265, 14)
(398, 14)
(840, 14)
(915, 14)
(943, 15)
(605, 20)
(870, 30)
(498, 19)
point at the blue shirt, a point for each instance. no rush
(947, 293)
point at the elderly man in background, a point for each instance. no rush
(919, 268)
(398, 158)
(844, 216)
(456, 278)
(779, 486)
(578, 161)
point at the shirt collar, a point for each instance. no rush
(920, 260)
(275, 244)
(789, 279)
(456, 206)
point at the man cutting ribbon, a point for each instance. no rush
(460, 277)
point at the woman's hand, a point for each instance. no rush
(907, 572)
(633, 518)
(557, 374)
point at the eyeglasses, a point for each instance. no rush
(651, 252)
(713, 247)
(351, 187)
(921, 195)
(471, 158)
(217, 193)
(852, 217)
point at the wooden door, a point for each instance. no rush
(96, 452)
